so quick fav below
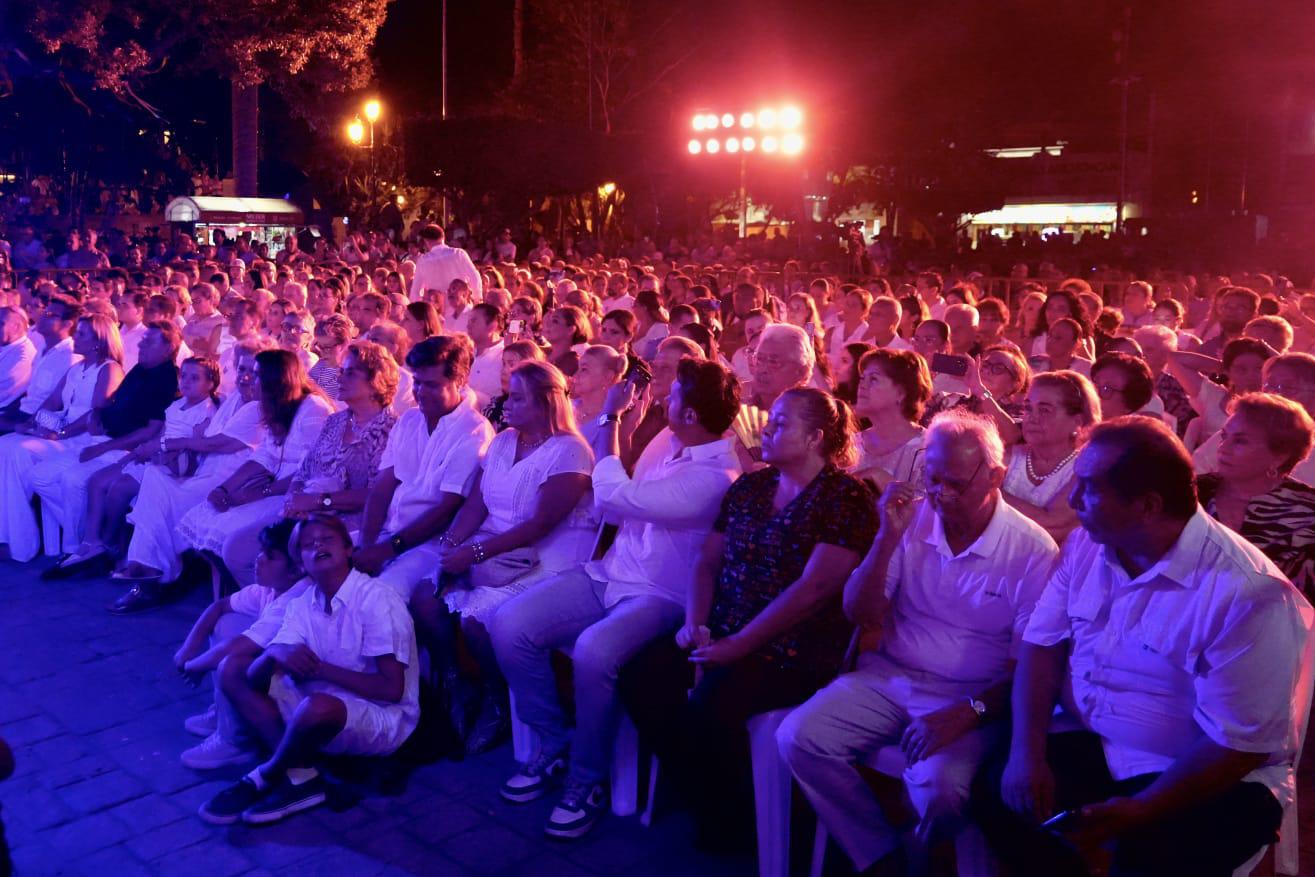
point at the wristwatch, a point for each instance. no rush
(327, 501)
(978, 706)
(985, 394)
(398, 545)
(605, 419)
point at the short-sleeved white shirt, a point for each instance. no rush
(958, 620)
(510, 489)
(283, 460)
(486, 374)
(367, 620)
(1209, 640)
(427, 464)
(1020, 485)
(268, 606)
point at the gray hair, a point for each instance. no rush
(801, 347)
(1155, 330)
(962, 309)
(958, 423)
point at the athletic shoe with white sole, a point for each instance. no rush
(577, 811)
(213, 753)
(286, 799)
(542, 774)
(202, 724)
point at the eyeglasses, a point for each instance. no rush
(769, 363)
(1107, 390)
(940, 485)
(1287, 390)
(997, 368)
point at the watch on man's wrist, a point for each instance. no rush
(605, 419)
(979, 707)
(326, 500)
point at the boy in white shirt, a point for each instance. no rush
(341, 676)
(241, 626)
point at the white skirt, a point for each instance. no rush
(205, 528)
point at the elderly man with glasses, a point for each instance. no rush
(951, 580)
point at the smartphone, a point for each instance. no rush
(515, 327)
(639, 373)
(1065, 820)
(949, 364)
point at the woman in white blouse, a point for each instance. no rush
(167, 493)
(1061, 407)
(293, 410)
(527, 517)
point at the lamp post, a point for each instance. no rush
(771, 131)
(356, 133)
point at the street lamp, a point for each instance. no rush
(372, 109)
(355, 132)
(774, 131)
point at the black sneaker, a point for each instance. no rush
(284, 800)
(542, 774)
(226, 807)
(576, 813)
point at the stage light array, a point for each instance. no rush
(772, 130)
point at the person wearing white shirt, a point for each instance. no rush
(55, 325)
(427, 470)
(754, 323)
(457, 308)
(17, 356)
(131, 307)
(609, 609)
(952, 580)
(441, 264)
(852, 326)
(485, 327)
(618, 296)
(1174, 648)
(883, 323)
(349, 681)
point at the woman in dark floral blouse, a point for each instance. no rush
(764, 627)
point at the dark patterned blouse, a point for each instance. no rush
(766, 551)
(1280, 523)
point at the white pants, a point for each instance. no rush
(19, 455)
(409, 570)
(851, 718)
(161, 502)
(232, 534)
(61, 482)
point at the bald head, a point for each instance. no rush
(13, 325)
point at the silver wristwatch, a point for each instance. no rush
(978, 706)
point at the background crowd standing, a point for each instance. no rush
(1051, 550)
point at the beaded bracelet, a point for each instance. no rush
(447, 540)
(478, 549)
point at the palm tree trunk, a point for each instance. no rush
(517, 42)
(246, 139)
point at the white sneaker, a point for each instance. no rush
(202, 724)
(214, 752)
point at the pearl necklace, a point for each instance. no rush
(527, 445)
(1041, 479)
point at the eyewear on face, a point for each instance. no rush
(997, 368)
(1106, 390)
(1286, 389)
(958, 487)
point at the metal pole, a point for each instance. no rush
(442, 109)
(374, 177)
(744, 201)
(1124, 81)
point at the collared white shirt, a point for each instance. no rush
(486, 374)
(48, 371)
(454, 323)
(896, 343)
(268, 606)
(624, 302)
(16, 362)
(1207, 641)
(836, 340)
(439, 267)
(959, 619)
(427, 464)
(131, 338)
(366, 620)
(665, 511)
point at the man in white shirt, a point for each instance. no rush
(55, 326)
(754, 323)
(457, 307)
(1174, 647)
(441, 264)
(951, 580)
(608, 610)
(131, 308)
(17, 356)
(617, 294)
(427, 469)
(929, 285)
(883, 323)
(485, 328)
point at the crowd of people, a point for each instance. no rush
(1057, 548)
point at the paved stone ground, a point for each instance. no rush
(94, 711)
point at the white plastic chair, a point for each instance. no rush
(1287, 852)
(625, 760)
(772, 785)
(971, 854)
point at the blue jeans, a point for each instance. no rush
(567, 611)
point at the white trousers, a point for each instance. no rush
(19, 455)
(61, 482)
(853, 717)
(161, 501)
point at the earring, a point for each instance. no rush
(1272, 472)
